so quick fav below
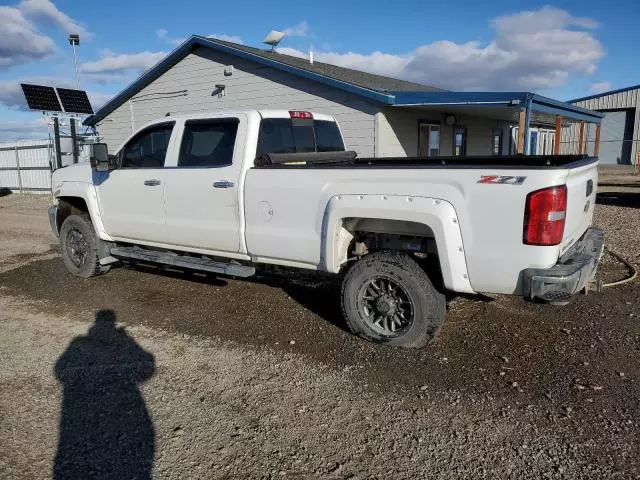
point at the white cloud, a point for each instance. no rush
(98, 99)
(600, 87)
(11, 95)
(226, 38)
(12, 130)
(161, 33)
(301, 29)
(47, 11)
(531, 50)
(21, 42)
(119, 64)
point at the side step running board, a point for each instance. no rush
(183, 261)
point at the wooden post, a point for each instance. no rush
(522, 120)
(581, 138)
(556, 147)
(596, 147)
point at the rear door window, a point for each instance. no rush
(285, 135)
(208, 143)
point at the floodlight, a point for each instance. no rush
(74, 39)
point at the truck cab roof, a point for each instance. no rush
(268, 113)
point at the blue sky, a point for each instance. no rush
(563, 49)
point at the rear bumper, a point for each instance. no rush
(53, 212)
(570, 275)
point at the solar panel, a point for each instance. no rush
(40, 97)
(74, 101)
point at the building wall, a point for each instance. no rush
(397, 132)
(629, 99)
(250, 86)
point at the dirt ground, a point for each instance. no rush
(138, 374)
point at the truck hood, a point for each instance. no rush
(80, 172)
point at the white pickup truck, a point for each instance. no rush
(232, 192)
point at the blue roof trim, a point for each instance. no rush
(566, 110)
(604, 94)
(185, 48)
(507, 99)
(461, 98)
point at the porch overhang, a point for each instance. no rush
(500, 105)
(523, 109)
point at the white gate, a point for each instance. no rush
(25, 166)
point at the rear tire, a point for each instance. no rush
(388, 298)
(80, 246)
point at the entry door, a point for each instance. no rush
(612, 139)
(201, 196)
(132, 196)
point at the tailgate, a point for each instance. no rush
(582, 183)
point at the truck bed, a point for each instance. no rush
(342, 160)
(288, 207)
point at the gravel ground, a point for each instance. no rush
(134, 374)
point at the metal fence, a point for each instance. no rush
(25, 166)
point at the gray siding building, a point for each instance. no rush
(620, 134)
(378, 116)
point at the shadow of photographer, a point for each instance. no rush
(106, 431)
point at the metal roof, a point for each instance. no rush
(384, 90)
(375, 87)
(604, 94)
(355, 77)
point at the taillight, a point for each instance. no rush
(301, 115)
(544, 216)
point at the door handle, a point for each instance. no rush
(222, 184)
(152, 182)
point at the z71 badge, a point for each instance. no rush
(503, 180)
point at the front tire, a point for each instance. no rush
(80, 247)
(388, 298)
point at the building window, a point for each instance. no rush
(460, 141)
(496, 143)
(429, 139)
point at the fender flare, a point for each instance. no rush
(437, 214)
(86, 192)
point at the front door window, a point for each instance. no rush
(148, 148)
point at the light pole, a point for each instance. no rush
(74, 39)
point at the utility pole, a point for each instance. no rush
(74, 39)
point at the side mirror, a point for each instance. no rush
(99, 157)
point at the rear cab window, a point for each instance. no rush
(298, 135)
